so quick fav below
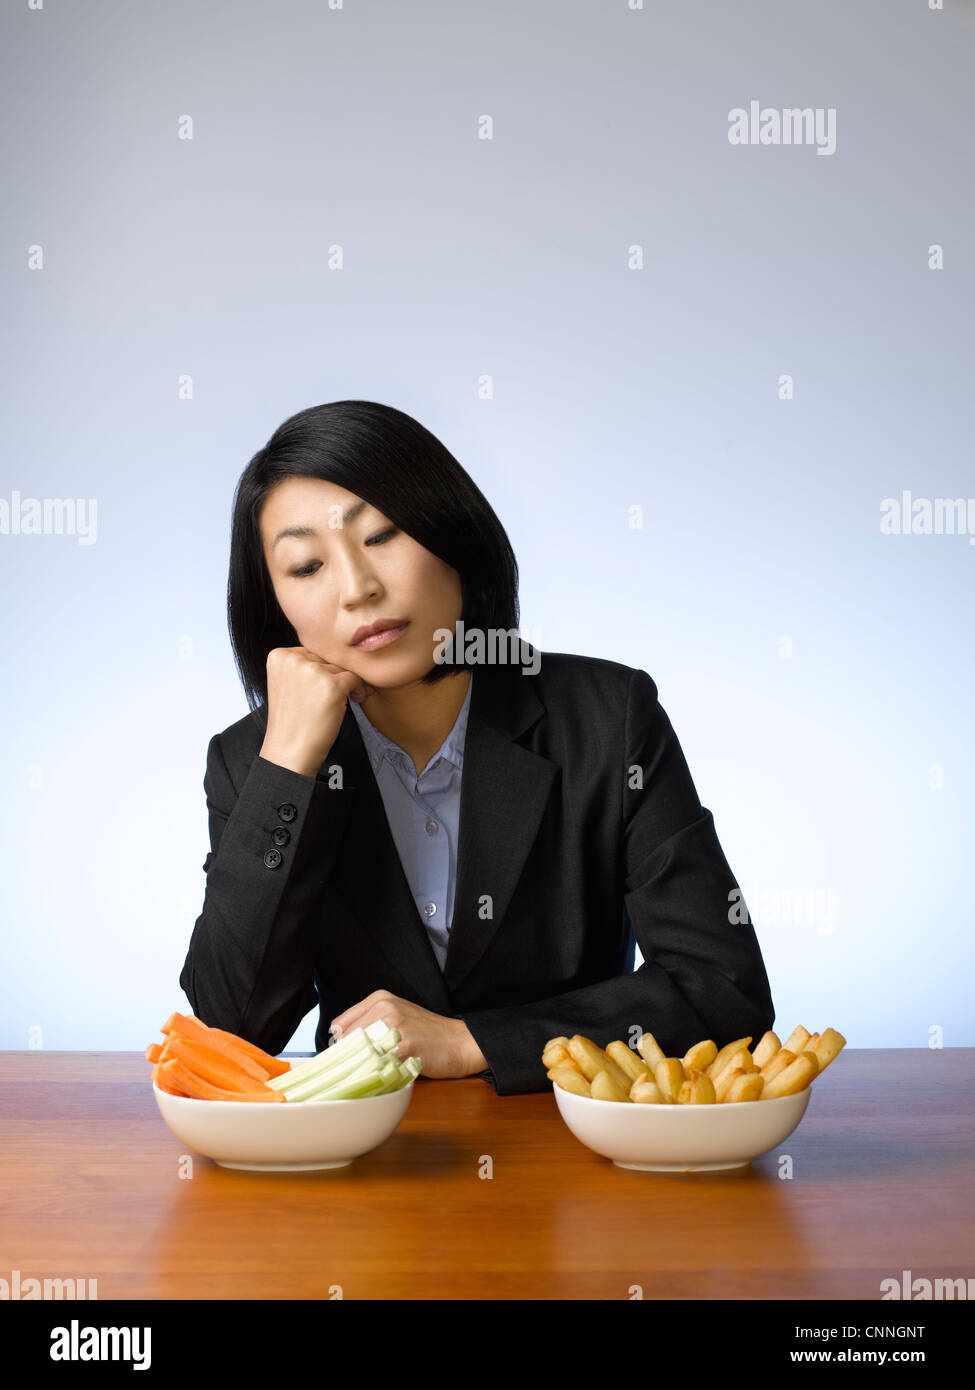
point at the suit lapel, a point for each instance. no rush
(504, 791)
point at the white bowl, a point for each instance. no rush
(292, 1136)
(681, 1138)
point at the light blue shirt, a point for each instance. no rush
(423, 814)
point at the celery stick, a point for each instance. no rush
(369, 1077)
(375, 1033)
(363, 1082)
(398, 1078)
(353, 1087)
(349, 1066)
(360, 1090)
(315, 1064)
(339, 1065)
(389, 1041)
(364, 1063)
(392, 1075)
(329, 1057)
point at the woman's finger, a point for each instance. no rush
(369, 1010)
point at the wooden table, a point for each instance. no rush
(882, 1169)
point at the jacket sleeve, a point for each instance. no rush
(702, 974)
(250, 965)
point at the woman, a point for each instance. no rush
(461, 841)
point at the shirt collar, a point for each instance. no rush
(379, 747)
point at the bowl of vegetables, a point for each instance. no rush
(243, 1108)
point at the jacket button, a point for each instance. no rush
(272, 858)
(280, 836)
(287, 811)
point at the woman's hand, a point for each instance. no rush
(444, 1045)
(306, 701)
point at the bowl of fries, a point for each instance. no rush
(710, 1109)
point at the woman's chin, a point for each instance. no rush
(390, 674)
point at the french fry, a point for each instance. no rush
(726, 1080)
(650, 1050)
(796, 1077)
(628, 1061)
(827, 1047)
(603, 1087)
(669, 1076)
(700, 1056)
(721, 1060)
(560, 1057)
(746, 1085)
(796, 1040)
(765, 1049)
(647, 1093)
(570, 1080)
(782, 1059)
(738, 1061)
(554, 1049)
(697, 1088)
(593, 1059)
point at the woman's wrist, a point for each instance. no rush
(294, 762)
(473, 1058)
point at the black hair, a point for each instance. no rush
(392, 462)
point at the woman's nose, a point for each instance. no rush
(357, 579)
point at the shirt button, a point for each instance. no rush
(272, 858)
(280, 836)
(432, 827)
(429, 908)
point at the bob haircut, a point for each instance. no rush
(389, 460)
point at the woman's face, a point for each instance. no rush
(348, 574)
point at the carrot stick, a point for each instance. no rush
(191, 1029)
(153, 1051)
(189, 1026)
(164, 1083)
(212, 1064)
(198, 1089)
(275, 1066)
(237, 1058)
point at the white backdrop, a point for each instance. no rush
(686, 372)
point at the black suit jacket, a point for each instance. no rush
(580, 829)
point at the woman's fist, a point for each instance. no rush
(306, 703)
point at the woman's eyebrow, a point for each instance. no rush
(303, 532)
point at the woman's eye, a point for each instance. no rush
(379, 539)
(383, 536)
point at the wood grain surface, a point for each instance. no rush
(882, 1169)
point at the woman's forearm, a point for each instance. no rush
(250, 965)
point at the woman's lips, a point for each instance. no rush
(381, 639)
